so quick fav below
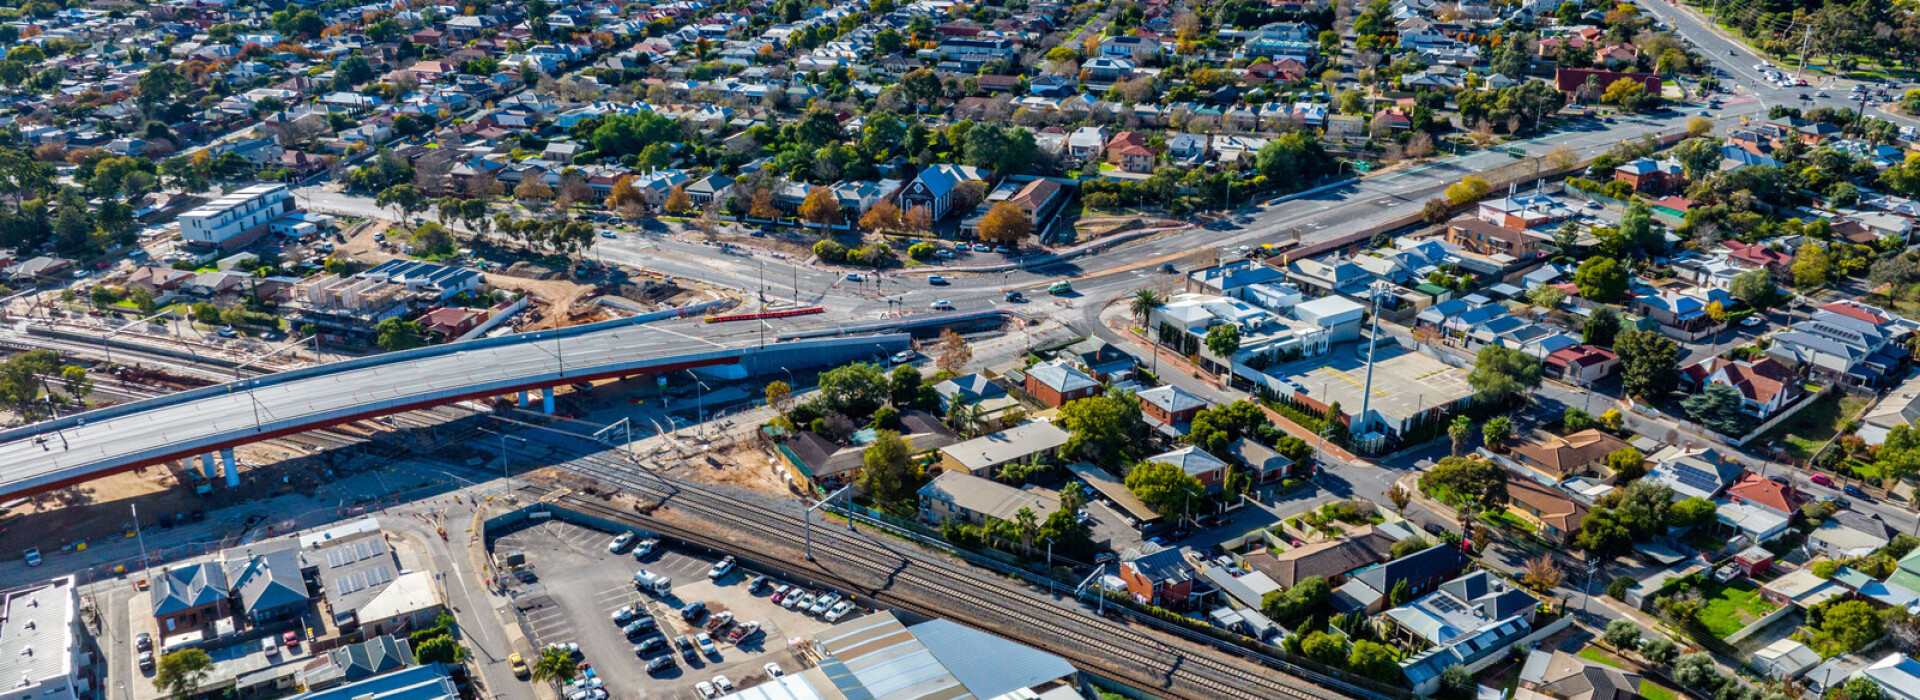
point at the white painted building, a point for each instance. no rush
(43, 653)
(237, 219)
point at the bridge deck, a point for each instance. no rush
(59, 453)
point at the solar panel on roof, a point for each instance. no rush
(367, 550)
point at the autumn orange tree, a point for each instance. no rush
(882, 217)
(624, 197)
(821, 207)
(1006, 223)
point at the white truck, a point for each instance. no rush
(651, 582)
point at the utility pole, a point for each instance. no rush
(808, 517)
(1366, 392)
(142, 537)
(1804, 44)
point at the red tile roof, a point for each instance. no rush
(1581, 355)
(1751, 488)
(1757, 381)
(1854, 309)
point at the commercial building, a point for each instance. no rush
(877, 656)
(45, 653)
(982, 456)
(425, 682)
(237, 219)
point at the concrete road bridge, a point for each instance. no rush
(213, 420)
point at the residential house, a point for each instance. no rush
(967, 389)
(1847, 342)
(269, 585)
(1651, 176)
(1570, 81)
(1057, 383)
(1197, 463)
(1558, 675)
(1848, 534)
(961, 497)
(933, 188)
(1156, 575)
(1170, 405)
(1466, 620)
(1417, 574)
(1785, 659)
(1087, 142)
(1782, 499)
(355, 662)
(1581, 364)
(189, 596)
(1558, 459)
(1898, 676)
(1477, 235)
(1021, 444)
(1766, 385)
(1553, 512)
(1267, 465)
(1332, 561)
(1693, 473)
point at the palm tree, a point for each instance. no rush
(1144, 302)
(554, 665)
(966, 418)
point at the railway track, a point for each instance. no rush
(985, 600)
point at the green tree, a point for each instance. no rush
(1214, 429)
(1165, 488)
(1496, 432)
(1753, 287)
(1102, 429)
(1501, 374)
(1699, 156)
(1479, 484)
(1223, 341)
(76, 383)
(1142, 304)
(1376, 661)
(1461, 430)
(1812, 266)
(1718, 408)
(554, 665)
(1306, 595)
(180, 673)
(1636, 228)
(1622, 634)
(904, 385)
(443, 649)
(1659, 650)
(855, 390)
(1649, 363)
(1325, 648)
(1628, 463)
(396, 333)
(1601, 280)
(1693, 512)
(1853, 624)
(1696, 670)
(889, 472)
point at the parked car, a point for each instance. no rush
(624, 614)
(1853, 491)
(269, 647)
(291, 639)
(519, 665)
(825, 602)
(146, 661)
(758, 582)
(706, 690)
(645, 548)
(143, 642)
(721, 569)
(779, 589)
(650, 646)
(692, 611)
(721, 683)
(660, 664)
(1752, 321)
(640, 626)
(1821, 479)
(902, 357)
(772, 669)
(839, 610)
(622, 542)
(706, 645)
(686, 647)
(791, 602)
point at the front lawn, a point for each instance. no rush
(1654, 691)
(1597, 656)
(1732, 607)
(1813, 426)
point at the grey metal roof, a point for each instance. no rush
(986, 665)
(268, 581)
(189, 586)
(37, 644)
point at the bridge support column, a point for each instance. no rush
(233, 467)
(206, 466)
(546, 400)
(523, 399)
